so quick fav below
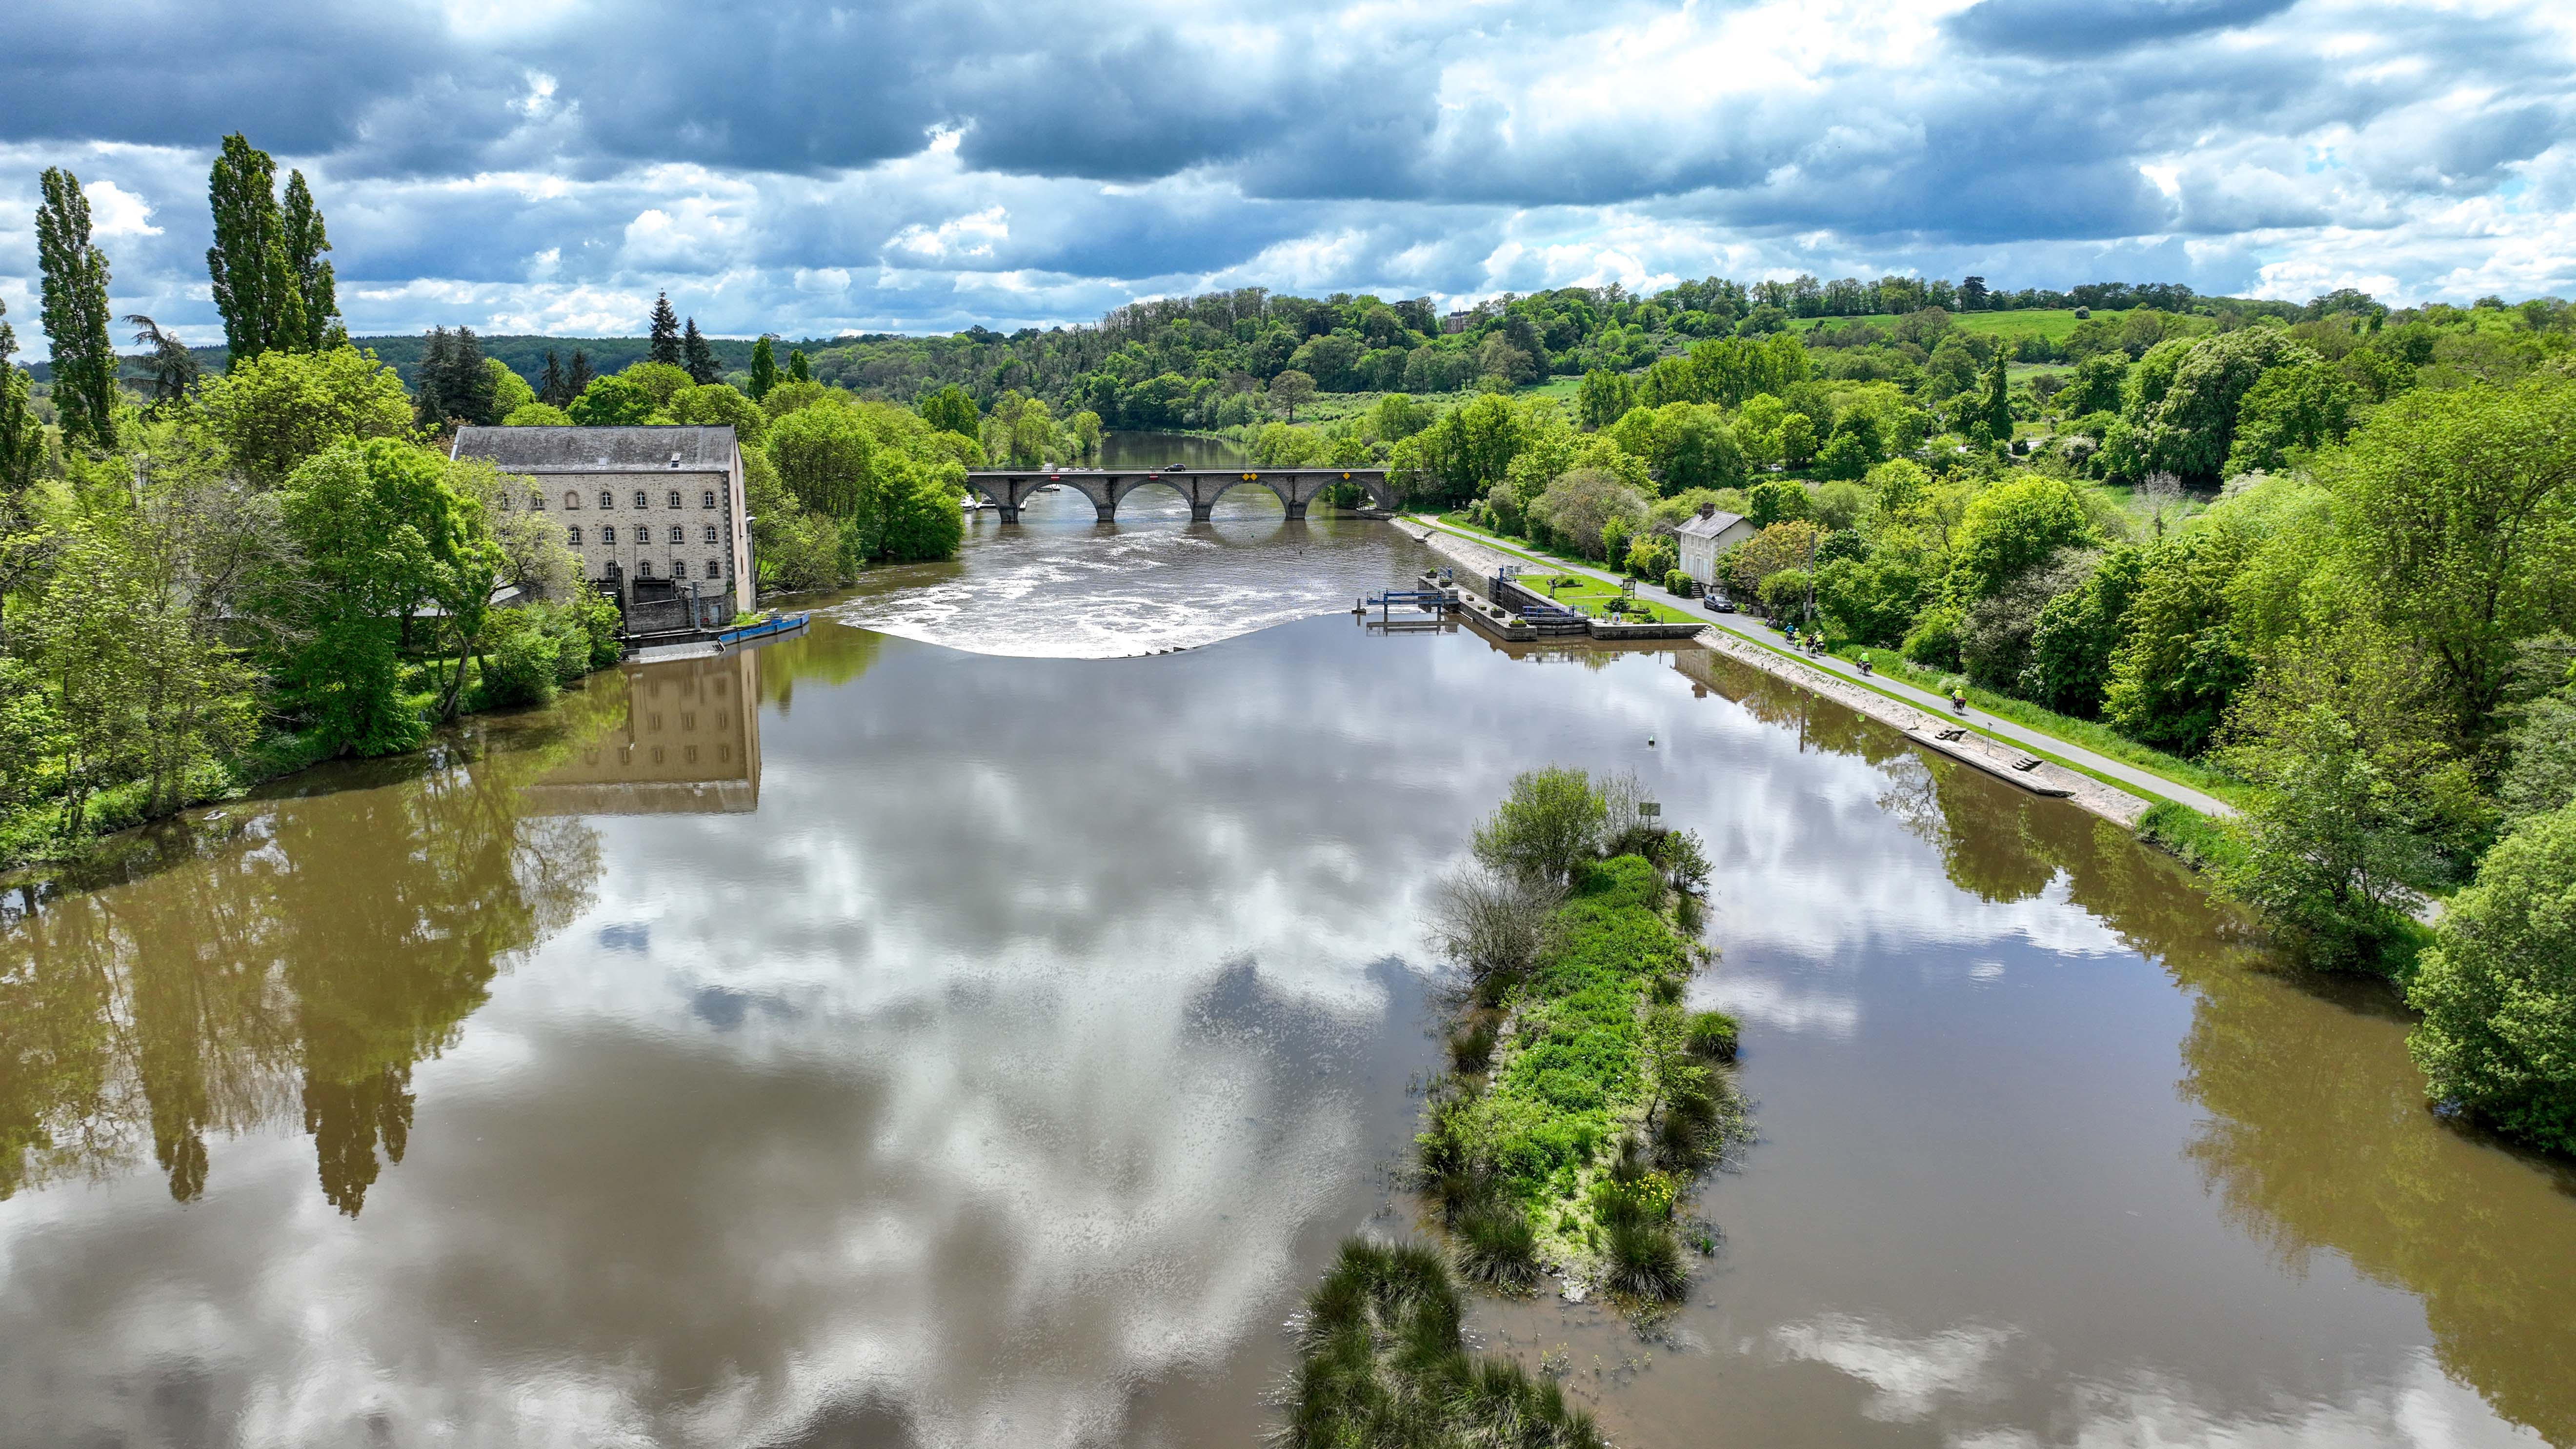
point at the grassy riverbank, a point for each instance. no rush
(1582, 1101)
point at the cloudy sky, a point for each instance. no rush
(547, 165)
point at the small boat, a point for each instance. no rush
(762, 629)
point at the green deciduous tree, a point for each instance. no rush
(1550, 824)
(2010, 528)
(2193, 422)
(612, 402)
(381, 532)
(1581, 503)
(22, 436)
(76, 314)
(1292, 390)
(2078, 633)
(2455, 518)
(2290, 412)
(1777, 500)
(1604, 397)
(2498, 989)
(824, 455)
(2358, 801)
(256, 284)
(317, 292)
(951, 410)
(278, 409)
(798, 369)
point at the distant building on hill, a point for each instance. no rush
(656, 514)
(1706, 535)
(1456, 322)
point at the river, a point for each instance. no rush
(961, 1025)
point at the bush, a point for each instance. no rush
(1643, 1260)
(1712, 1035)
(1551, 822)
(2189, 836)
(1498, 1246)
(521, 666)
(2498, 989)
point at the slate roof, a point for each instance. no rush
(1711, 526)
(635, 449)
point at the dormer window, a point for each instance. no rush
(675, 460)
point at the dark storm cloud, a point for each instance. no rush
(908, 163)
(2068, 31)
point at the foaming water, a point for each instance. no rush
(1059, 584)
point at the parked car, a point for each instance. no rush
(1719, 600)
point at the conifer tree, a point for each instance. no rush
(256, 287)
(75, 311)
(1994, 410)
(796, 366)
(698, 356)
(764, 369)
(666, 331)
(305, 242)
(550, 390)
(576, 377)
(452, 384)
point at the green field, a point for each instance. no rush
(2055, 325)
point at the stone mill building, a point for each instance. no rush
(656, 514)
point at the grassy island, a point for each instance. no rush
(1582, 1100)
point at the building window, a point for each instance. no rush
(607, 499)
(608, 533)
(573, 535)
(711, 533)
(674, 501)
(536, 503)
(640, 500)
(715, 568)
(505, 503)
(707, 499)
(679, 568)
(679, 534)
(571, 499)
(643, 568)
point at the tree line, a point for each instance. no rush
(2325, 559)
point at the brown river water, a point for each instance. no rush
(948, 1032)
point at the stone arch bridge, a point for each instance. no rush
(1008, 489)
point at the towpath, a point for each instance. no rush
(1740, 627)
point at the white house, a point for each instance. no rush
(1706, 536)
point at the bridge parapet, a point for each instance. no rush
(1010, 488)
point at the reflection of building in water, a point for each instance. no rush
(690, 744)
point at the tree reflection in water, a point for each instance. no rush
(2316, 1135)
(219, 997)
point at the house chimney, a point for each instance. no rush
(1708, 510)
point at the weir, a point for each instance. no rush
(1009, 489)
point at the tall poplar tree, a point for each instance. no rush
(666, 331)
(75, 311)
(796, 365)
(22, 437)
(698, 356)
(315, 287)
(256, 287)
(764, 369)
